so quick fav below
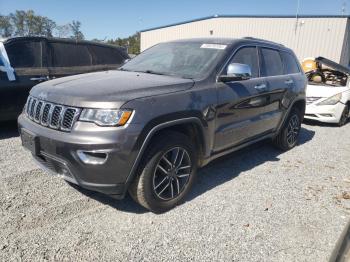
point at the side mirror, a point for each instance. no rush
(236, 72)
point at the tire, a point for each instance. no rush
(344, 117)
(287, 138)
(160, 184)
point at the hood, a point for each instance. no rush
(108, 89)
(324, 90)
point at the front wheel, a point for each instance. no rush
(289, 133)
(167, 172)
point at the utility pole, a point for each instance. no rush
(297, 16)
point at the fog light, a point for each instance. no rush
(92, 158)
(327, 115)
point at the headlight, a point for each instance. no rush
(106, 117)
(331, 101)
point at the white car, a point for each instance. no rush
(328, 100)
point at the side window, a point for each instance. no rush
(68, 55)
(248, 56)
(105, 55)
(271, 62)
(24, 54)
(290, 64)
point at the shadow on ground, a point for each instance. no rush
(8, 129)
(216, 173)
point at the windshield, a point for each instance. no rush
(186, 60)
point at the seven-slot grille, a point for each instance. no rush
(51, 115)
(310, 100)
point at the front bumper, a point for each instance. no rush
(58, 154)
(326, 114)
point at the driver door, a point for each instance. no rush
(241, 104)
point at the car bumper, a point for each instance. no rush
(326, 114)
(107, 160)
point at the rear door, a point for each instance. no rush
(68, 58)
(28, 58)
(241, 104)
(278, 83)
(295, 80)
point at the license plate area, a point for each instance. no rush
(30, 141)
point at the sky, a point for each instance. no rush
(106, 19)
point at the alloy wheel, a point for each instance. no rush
(172, 173)
(293, 130)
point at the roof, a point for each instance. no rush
(64, 40)
(246, 16)
(226, 40)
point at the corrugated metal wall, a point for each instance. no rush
(308, 38)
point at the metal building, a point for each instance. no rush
(308, 36)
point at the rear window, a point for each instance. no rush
(105, 55)
(290, 64)
(271, 62)
(69, 55)
(24, 54)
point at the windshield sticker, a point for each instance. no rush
(214, 46)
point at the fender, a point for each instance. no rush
(150, 135)
(287, 114)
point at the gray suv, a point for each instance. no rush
(146, 127)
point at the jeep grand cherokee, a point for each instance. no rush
(147, 127)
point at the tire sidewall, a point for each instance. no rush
(152, 200)
(285, 129)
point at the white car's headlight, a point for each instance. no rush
(106, 117)
(331, 101)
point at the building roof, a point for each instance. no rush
(246, 16)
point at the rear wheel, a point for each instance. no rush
(344, 117)
(289, 133)
(166, 174)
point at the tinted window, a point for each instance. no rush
(66, 55)
(248, 56)
(271, 62)
(290, 64)
(105, 56)
(24, 54)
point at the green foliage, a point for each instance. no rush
(75, 27)
(27, 23)
(132, 43)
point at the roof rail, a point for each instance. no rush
(262, 40)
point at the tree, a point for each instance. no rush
(27, 23)
(63, 31)
(18, 22)
(6, 28)
(75, 27)
(132, 43)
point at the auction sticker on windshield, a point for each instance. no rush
(214, 46)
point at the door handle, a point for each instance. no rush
(40, 78)
(289, 82)
(260, 87)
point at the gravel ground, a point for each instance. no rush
(257, 204)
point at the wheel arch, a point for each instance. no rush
(300, 104)
(190, 126)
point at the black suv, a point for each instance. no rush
(26, 61)
(148, 126)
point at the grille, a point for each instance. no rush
(310, 100)
(51, 115)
